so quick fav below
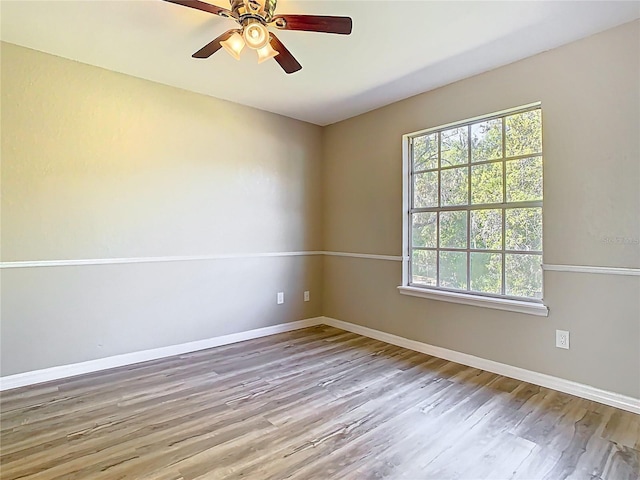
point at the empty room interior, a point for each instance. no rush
(320, 240)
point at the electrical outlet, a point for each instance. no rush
(280, 298)
(562, 339)
(306, 296)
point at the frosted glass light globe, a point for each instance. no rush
(256, 35)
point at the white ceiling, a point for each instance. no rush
(397, 48)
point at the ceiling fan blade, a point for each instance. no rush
(313, 23)
(213, 46)
(205, 7)
(287, 61)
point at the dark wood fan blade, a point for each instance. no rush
(213, 46)
(314, 23)
(287, 61)
(205, 7)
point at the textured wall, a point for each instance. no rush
(590, 94)
(97, 164)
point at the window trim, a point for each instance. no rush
(476, 300)
(500, 302)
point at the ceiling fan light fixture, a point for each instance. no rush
(234, 45)
(253, 18)
(256, 35)
(266, 52)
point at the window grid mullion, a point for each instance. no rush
(504, 201)
(483, 162)
(483, 206)
(469, 203)
(479, 250)
(439, 206)
(409, 214)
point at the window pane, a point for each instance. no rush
(455, 186)
(523, 229)
(423, 267)
(453, 229)
(486, 183)
(486, 272)
(454, 147)
(425, 152)
(425, 190)
(486, 140)
(524, 133)
(453, 270)
(425, 229)
(524, 179)
(486, 229)
(523, 275)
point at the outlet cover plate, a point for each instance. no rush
(306, 296)
(562, 339)
(280, 298)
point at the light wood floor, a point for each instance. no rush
(317, 403)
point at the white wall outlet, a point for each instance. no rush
(562, 339)
(280, 298)
(306, 296)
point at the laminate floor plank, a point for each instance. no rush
(315, 403)
(345, 412)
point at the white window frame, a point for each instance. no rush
(500, 302)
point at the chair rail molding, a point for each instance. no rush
(634, 272)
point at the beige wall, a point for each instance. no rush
(591, 106)
(97, 164)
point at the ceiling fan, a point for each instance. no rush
(254, 16)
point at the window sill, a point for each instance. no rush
(529, 308)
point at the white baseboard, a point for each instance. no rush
(588, 392)
(567, 386)
(65, 371)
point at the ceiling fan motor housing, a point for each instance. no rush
(264, 9)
